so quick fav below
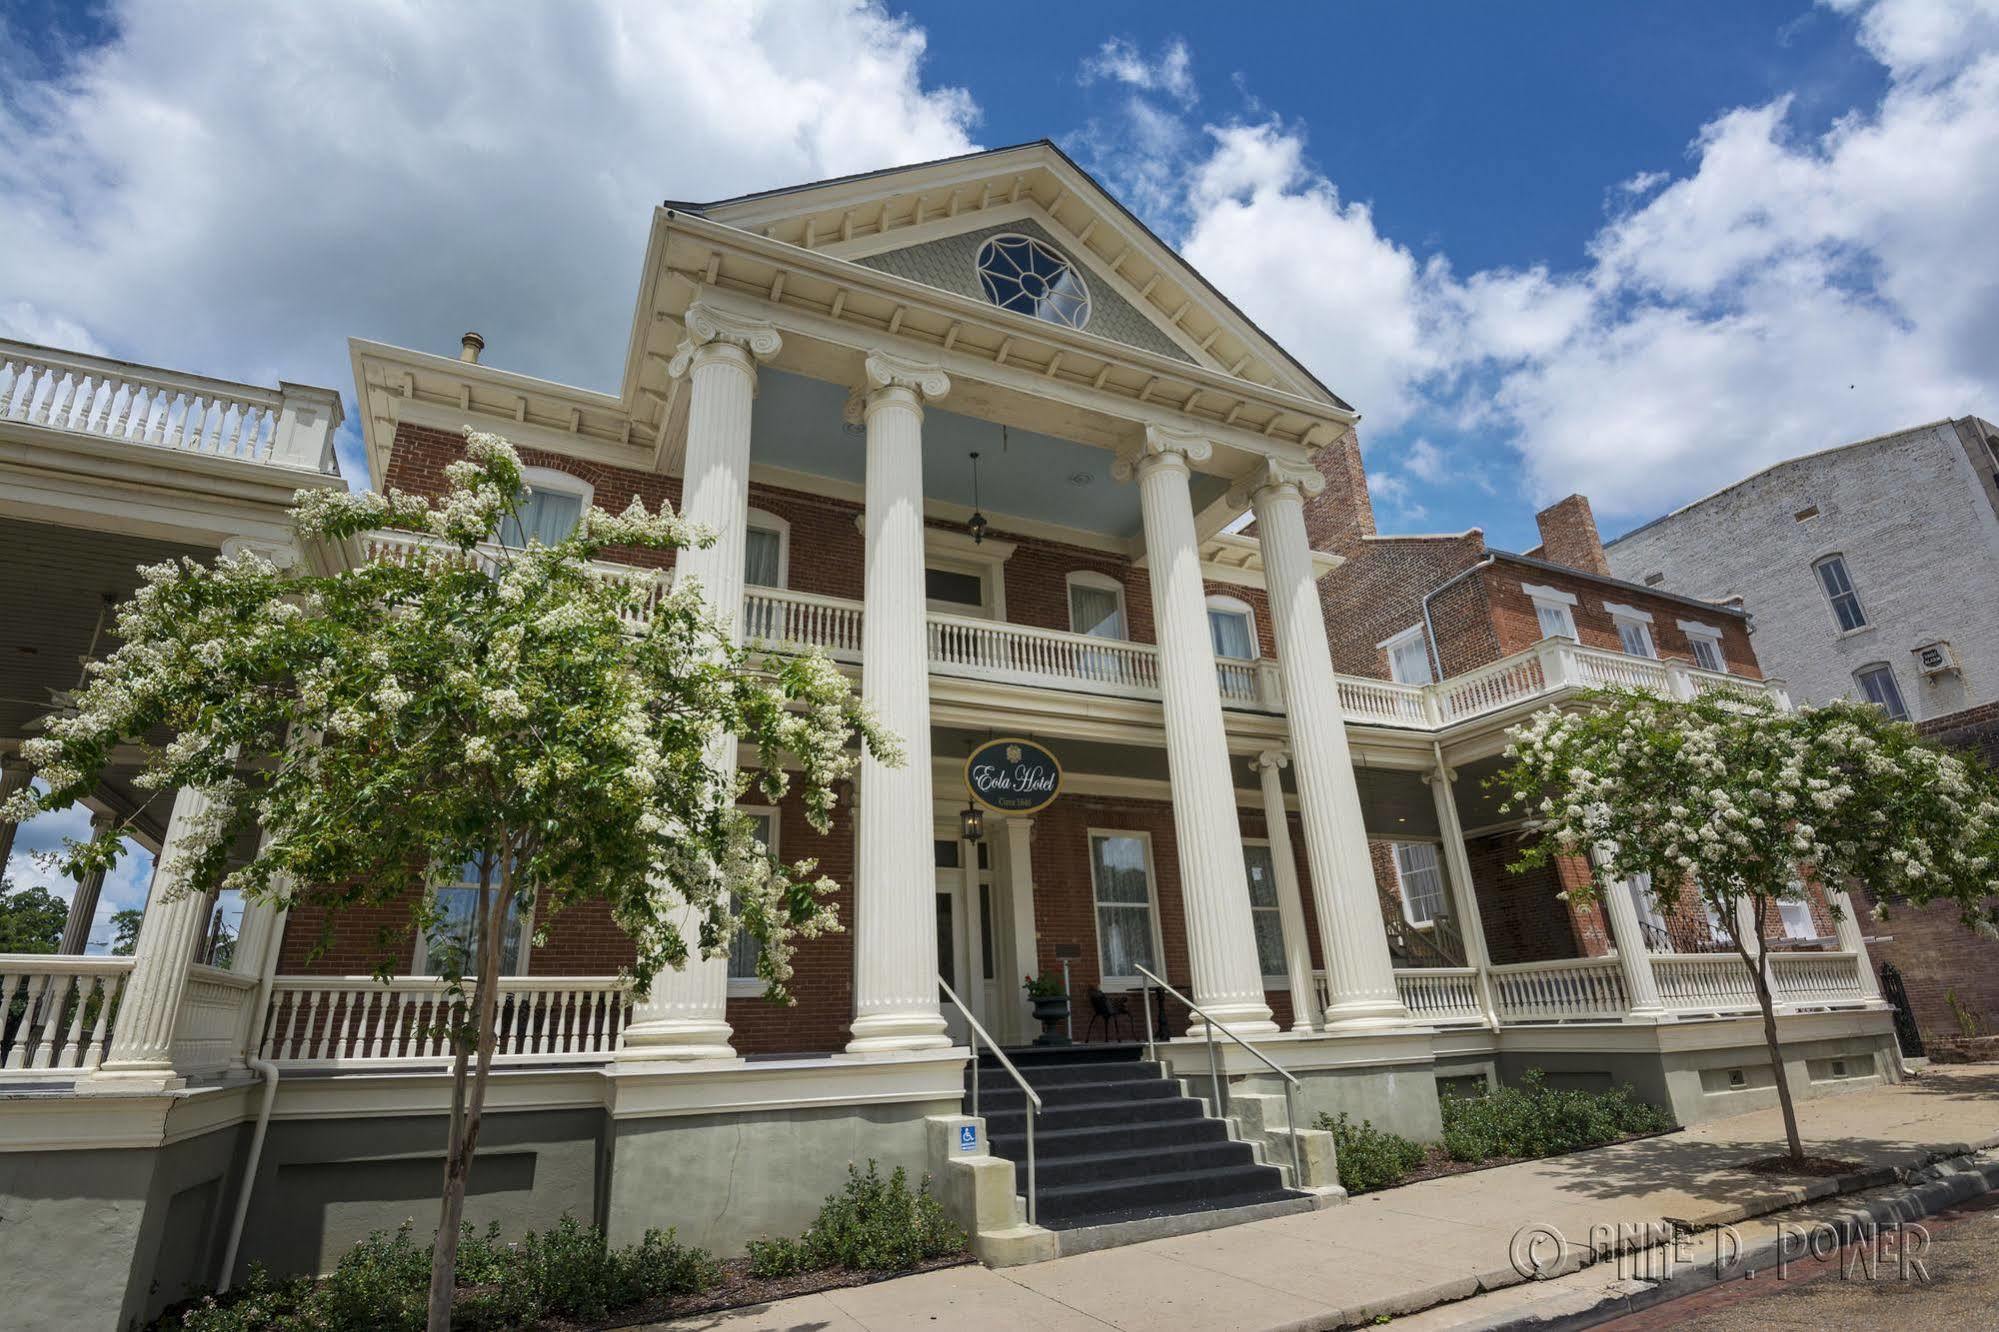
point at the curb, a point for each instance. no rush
(1952, 1176)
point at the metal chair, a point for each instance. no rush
(1108, 1011)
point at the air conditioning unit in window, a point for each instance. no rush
(1934, 659)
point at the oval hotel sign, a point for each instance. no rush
(1013, 776)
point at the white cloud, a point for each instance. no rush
(1425, 461)
(1120, 61)
(239, 190)
(30, 865)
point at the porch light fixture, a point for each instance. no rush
(972, 823)
(977, 524)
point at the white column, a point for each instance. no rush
(1360, 974)
(83, 903)
(143, 1036)
(1632, 954)
(1290, 904)
(1221, 942)
(685, 1016)
(1023, 953)
(1464, 893)
(895, 903)
(14, 774)
(1852, 941)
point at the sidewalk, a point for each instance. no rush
(1410, 1248)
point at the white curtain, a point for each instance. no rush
(1264, 913)
(762, 566)
(546, 516)
(1096, 611)
(1124, 905)
(1230, 630)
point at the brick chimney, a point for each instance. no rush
(1569, 538)
(1340, 515)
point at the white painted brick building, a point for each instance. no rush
(1852, 560)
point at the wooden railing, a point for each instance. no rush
(133, 404)
(343, 1021)
(1816, 980)
(1703, 983)
(1567, 990)
(57, 1011)
(214, 1011)
(1440, 994)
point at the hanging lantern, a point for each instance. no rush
(977, 524)
(972, 823)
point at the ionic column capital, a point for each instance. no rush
(1440, 773)
(280, 554)
(1162, 446)
(1273, 760)
(711, 331)
(886, 371)
(1273, 478)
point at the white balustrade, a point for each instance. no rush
(1704, 983)
(1817, 980)
(1593, 669)
(1386, 702)
(209, 1033)
(1489, 687)
(782, 620)
(1566, 990)
(388, 546)
(1439, 994)
(131, 404)
(342, 1021)
(57, 1011)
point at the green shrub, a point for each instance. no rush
(1534, 1120)
(1370, 1158)
(771, 1258)
(873, 1225)
(659, 1265)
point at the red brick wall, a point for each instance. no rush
(1338, 517)
(824, 984)
(1569, 536)
(1938, 958)
(1524, 920)
(1379, 592)
(1973, 730)
(1518, 628)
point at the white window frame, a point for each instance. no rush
(1411, 636)
(764, 520)
(1894, 682)
(1101, 582)
(1697, 634)
(750, 987)
(1237, 606)
(1105, 980)
(1639, 886)
(420, 954)
(1281, 978)
(1630, 619)
(1402, 882)
(1789, 909)
(1853, 591)
(1553, 601)
(560, 482)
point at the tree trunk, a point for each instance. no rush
(468, 1103)
(1768, 1003)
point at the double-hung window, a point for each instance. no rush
(1553, 608)
(1121, 881)
(1634, 629)
(1797, 916)
(1265, 916)
(1096, 605)
(1846, 611)
(1422, 882)
(1408, 657)
(766, 550)
(1877, 682)
(548, 509)
(452, 943)
(744, 948)
(1232, 626)
(1705, 640)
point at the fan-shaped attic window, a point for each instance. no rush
(1020, 273)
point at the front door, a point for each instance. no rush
(953, 957)
(964, 934)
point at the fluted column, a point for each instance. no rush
(142, 1038)
(1290, 904)
(895, 930)
(14, 774)
(1464, 893)
(83, 903)
(1636, 959)
(1221, 940)
(1017, 929)
(1360, 974)
(685, 1016)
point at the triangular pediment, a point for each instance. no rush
(928, 223)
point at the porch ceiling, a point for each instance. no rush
(798, 426)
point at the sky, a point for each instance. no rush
(1632, 250)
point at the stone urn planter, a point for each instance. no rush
(1051, 1012)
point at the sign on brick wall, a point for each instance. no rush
(1013, 776)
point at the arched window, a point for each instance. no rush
(1096, 605)
(1877, 683)
(767, 550)
(1232, 626)
(1024, 274)
(549, 509)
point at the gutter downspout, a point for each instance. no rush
(1429, 629)
(268, 1071)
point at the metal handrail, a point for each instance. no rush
(1033, 1097)
(1214, 1066)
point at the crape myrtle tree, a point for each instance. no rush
(1745, 802)
(523, 719)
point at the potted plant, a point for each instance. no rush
(1051, 1006)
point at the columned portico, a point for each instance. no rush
(686, 1014)
(1290, 903)
(895, 932)
(1221, 945)
(1360, 974)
